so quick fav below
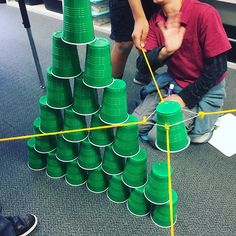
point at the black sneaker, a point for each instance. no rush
(142, 79)
(24, 224)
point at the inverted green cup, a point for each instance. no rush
(127, 135)
(75, 176)
(66, 151)
(51, 119)
(77, 22)
(160, 215)
(98, 69)
(36, 161)
(114, 103)
(112, 164)
(55, 168)
(156, 190)
(97, 181)
(169, 112)
(59, 95)
(117, 192)
(135, 172)
(44, 144)
(65, 59)
(85, 98)
(100, 137)
(74, 121)
(137, 204)
(89, 156)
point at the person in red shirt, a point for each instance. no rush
(188, 37)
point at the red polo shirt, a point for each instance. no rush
(205, 37)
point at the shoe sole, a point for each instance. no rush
(32, 227)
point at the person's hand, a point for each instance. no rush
(140, 32)
(176, 98)
(173, 33)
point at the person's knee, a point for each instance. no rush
(124, 48)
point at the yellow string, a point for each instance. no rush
(143, 121)
(169, 180)
(153, 77)
(201, 114)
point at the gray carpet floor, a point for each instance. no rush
(202, 176)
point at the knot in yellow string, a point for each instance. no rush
(167, 127)
(201, 114)
(144, 120)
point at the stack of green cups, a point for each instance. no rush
(97, 181)
(73, 121)
(66, 151)
(43, 144)
(98, 69)
(127, 135)
(169, 112)
(85, 98)
(117, 192)
(160, 214)
(156, 190)
(59, 95)
(36, 161)
(77, 22)
(114, 103)
(112, 164)
(51, 119)
(89, 156)
(65, 59)
(100, 137)
(75, 176)
(55, 168)
(137, 203)
(135, 172)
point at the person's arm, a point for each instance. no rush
(141, 26)
(214, 68)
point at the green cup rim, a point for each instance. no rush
(72, 43)
(127, 205)
(36, 169)
(74, 185)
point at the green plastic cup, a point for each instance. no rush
(66, 151)
(51, 119)
(59, 94)
(98, 69)
(156, 190)
(74, 121)
(97, 181)
(135, 172)
(85, 98)
(169, 112)
(117, 192)
(89, 156)
(65, 58)
(127, 135)
(36, 161)
(100, 137)
(75, 176)
(137, 204)
(160, 215)
(55, 168)
(77, 22)
(114, 103)
(44, 144)
(112, 164)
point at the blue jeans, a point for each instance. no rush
(6, 227)
(213, 100)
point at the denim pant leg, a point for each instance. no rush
(6, 227)
(148, 106)
(212, 101)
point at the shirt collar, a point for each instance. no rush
(185, 12)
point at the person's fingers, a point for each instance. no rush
(161, 26)
(136, 39)
(182, 31)
(143, 38)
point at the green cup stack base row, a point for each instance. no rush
(106, 160)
